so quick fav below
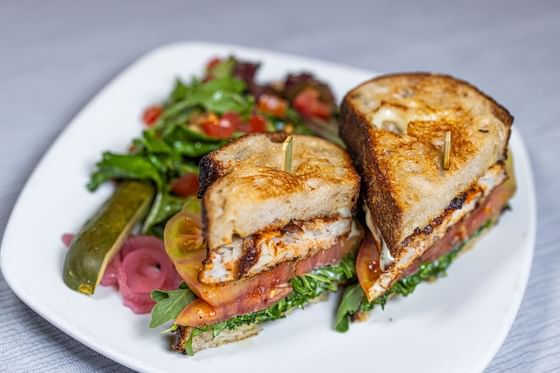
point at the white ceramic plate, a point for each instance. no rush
(456, 324)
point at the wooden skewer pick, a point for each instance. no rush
(446, 150)
(287, 149)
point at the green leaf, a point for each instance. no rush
(169, 304)
(164, 207)
(196, 149)
(179, 92)
(192, 205)
(223, 95)
(224, 68)
(183, 133)
(153, 144)
(119, 166)
(350, 303)
(188, 168)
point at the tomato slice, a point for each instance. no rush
(221, 128)
(367, 262)
(200, 313)
(183, 244)
(273, 105)
(186, 185)
(151, 115)
(308, 104)
(182, 237)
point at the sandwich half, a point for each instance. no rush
(432, 152)
(268, 241)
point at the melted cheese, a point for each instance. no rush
(386, 259)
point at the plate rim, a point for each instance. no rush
(66, 328)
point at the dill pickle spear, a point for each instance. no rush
(101, 236)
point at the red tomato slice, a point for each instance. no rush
(200, 313)
(221, 128)
(151, 115)
(308, 104)
(186, 185)
(273, 105)
(367, 262)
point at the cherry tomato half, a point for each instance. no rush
(308, 104)
(151, 115)
(233, 118)
(256, 123)
(221, 128)
(213, 63)
(273, 105)
(186, 185)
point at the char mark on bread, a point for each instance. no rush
(212, 168)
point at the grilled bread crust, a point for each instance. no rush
(245, 191)
(207, 340)
(394, 126)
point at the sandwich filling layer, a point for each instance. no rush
(261, 251)
(221, 302)
(416, 245)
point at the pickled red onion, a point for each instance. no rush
(140, 266)
(141, 242)
(145, 267)
(67, 239)
(139, 302)
(111, 272)
(145, 270)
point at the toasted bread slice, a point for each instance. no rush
(247, 199)
(394, 126)
(207, 339)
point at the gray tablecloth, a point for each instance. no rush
(55, 55)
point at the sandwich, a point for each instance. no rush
(432, 152)
(277, 231)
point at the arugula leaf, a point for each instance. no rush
(190, 143)
(164, 207)
(179, 92)
(224, 68)
(169, 304)
(223, 95)
(124, 166)
(196, 149)
(153, 144)
(180, 132)
(350, 303)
